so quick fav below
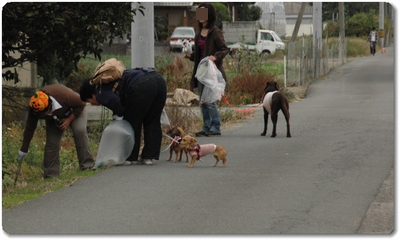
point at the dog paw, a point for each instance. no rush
(263, 134)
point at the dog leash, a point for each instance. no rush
(173, 140)
(239, 110)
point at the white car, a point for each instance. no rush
(178, 35)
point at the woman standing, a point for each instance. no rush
(209, 42)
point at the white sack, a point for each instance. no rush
(214, 84)
(116, 144)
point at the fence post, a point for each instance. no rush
(284, 70)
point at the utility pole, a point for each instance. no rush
(342, 34)
(298, 22)
(317, 36)
(142, 40)
(382, 24)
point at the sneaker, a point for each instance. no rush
(127, 163)
(138, 162)
(201, 134)
(212, 133)
(88, 167)
(148, 162)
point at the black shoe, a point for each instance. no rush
(201, 134)
(212, 133)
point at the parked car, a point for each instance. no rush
(180, 33)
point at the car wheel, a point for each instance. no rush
(264, 54)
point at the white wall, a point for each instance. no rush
(26, 73)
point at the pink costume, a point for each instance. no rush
(202, 150)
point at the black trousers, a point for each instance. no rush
(372, 47)
(144, 104)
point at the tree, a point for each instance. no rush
(359, 25)
(248, 12)
(222, 14)
(56, 35)
(350, 8)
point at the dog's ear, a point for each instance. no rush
(192, 140)
(186, 139)
(276, 85)
(266, 86)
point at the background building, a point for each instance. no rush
(273, 17)
(292, 10)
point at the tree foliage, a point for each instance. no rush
(56, 35)
(350, 8)
(359, 25)
(248, 11)
(222, 14)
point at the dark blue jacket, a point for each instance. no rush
(115, 101)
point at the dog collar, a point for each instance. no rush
(196, 149)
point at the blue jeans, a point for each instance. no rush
(210, 113)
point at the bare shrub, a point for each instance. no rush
(188, 118)
(247, 84)
(178, 73)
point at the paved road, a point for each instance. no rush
(323, 180)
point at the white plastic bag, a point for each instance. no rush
(164, 119)
(116, 144)
(214, 84)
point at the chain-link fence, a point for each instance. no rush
(304, 63)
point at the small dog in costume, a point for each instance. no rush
(196, 151)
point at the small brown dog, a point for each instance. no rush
(274, 101)
(176, 133)
(383, 50)
(196, 151)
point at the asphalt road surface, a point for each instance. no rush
(321, 181)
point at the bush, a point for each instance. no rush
(222, 14)
(177, 71)
(247, 88)
(359, 25)
(247, 73)
(357, 47)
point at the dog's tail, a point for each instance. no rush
(182, 133)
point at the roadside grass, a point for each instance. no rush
(246, 79)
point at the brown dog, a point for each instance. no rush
(176, 133)
(196, 151)
(274, 101)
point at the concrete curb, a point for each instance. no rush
(379, 219)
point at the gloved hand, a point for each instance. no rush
(21, 155)
(116, 117)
